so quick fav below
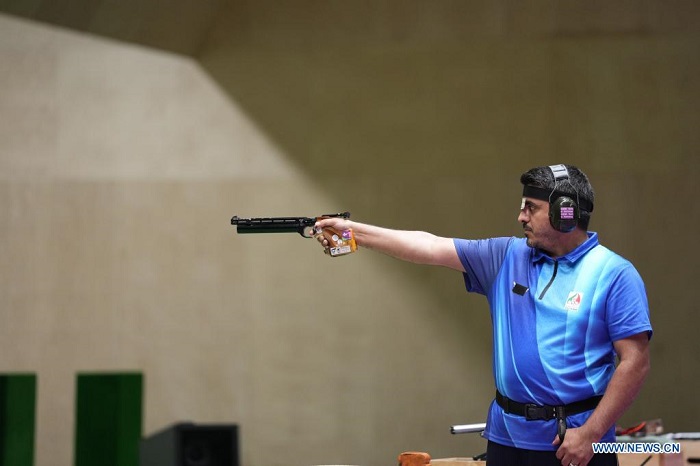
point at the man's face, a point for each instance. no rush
(534, 217)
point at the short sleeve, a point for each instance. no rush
(482, 260)
(627, 305)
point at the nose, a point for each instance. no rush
(523, 217)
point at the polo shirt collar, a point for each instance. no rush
(574, 255)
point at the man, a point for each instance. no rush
(562, 306)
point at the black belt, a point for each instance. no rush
(533, 412)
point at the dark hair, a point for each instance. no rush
(577, 187)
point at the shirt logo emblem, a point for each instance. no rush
(573, 301)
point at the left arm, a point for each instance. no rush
(624, 386)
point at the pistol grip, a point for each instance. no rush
(340, 243)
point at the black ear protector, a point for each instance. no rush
(564, 212)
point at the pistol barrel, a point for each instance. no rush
(301, 225)
(272, 224)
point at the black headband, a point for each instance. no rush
(548, 195)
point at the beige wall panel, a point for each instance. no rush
(106, 115)
(121, 168)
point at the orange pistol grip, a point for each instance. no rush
(340, 243)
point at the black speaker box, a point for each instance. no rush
(187, 444)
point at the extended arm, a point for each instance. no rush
(624, 386)
(412, 246)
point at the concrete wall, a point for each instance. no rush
(120, 168)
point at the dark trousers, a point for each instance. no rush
(501, 455)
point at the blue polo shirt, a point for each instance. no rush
(554, 324)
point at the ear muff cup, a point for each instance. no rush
(563, 214)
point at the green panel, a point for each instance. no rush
(108, 419)
(17, 419)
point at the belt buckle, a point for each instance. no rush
(535, 412)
